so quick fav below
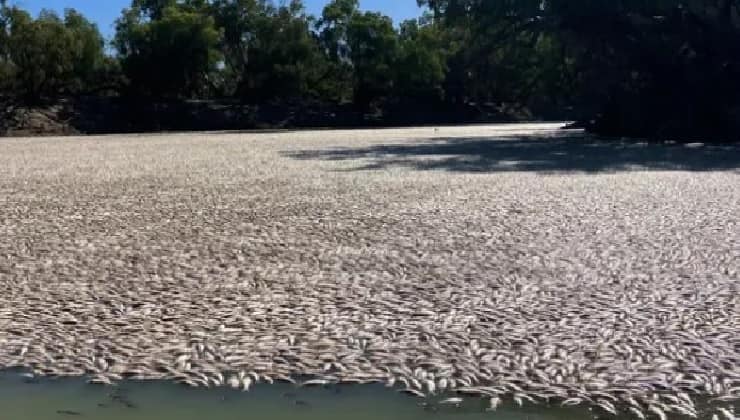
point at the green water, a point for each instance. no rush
(53, 399)
(22, 398)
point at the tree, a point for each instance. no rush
(373, 49)
(656, 68)
(237, 20)
(421, 64)
(270, 52)
(49, 56)
(288, 61)
(5, 65)
(168, 48)
(332, 28)
(87, 45)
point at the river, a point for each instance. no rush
(23, 398)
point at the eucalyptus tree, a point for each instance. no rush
(168, 48)
(269, 51)
(661, 68)
(48, 55)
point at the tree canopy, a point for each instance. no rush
(167, 48)
(48, 55)
(656, 68)
(648, 68)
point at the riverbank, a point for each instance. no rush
(119, 115)
(502, 262)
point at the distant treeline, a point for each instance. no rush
(647, 68)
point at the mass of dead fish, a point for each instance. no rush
(219, 264)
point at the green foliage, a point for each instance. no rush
(6, 73)
(238, 20)
(332, 29)
(87, 46)
(657, 68)
(421, 64)
(170, 51)
(333, 25)
(48, 55)
(287, 61)
(373, 48)
(638, 67)
(270, 51)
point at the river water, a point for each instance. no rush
(22, 398)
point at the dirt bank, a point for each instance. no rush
(110, 115)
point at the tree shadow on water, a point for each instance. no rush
(553, 153)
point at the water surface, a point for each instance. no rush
(22, 398)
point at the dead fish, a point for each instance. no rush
(414, 392)
(493, 403)
(452, 401)
(315, 382)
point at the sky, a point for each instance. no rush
(105, 12)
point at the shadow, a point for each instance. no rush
(567, 151)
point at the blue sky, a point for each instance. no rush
(104, 12)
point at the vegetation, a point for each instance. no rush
(657, 68)
(167, 48)
(48, 55)
(646, 68)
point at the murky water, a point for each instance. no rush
(22, 398)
